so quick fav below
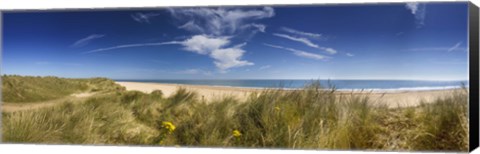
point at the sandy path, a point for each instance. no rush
(391, 99)
(12, 107)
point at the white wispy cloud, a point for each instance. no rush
(191, 26)
(297, 39)
(419, 11)
(203, 44)
(259, 27)
(329, 50)
(84, 41)
(131, 46)
(302, 33)
(454, 47)
(412, 6)
(219, 21)
(143, 17)
(224, 57)
(306, 42)
(229, 58)
(349, 54)
(300, 53)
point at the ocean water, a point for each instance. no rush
(384, 85)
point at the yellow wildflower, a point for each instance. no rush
(277, 108)
(169, 126)
(236, 133)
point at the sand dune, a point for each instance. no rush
(12, 107)
(392, 99)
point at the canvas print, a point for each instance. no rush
(390, 76)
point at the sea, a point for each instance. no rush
(345, 85)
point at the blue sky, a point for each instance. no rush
(426, 41)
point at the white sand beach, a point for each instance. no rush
(392, 99)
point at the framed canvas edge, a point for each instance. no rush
(474, 76)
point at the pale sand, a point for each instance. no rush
(391, 99)
(205, 92)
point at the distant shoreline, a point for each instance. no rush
(393, 99)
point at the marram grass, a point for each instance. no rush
(20, 89)
(312, 118)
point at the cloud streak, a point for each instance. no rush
(143, 17)
(302, 33)
(306, 42)
(300, 53)
(84, 41)
(454, 47)
(297, 39)
(131, 46)
(419, 11)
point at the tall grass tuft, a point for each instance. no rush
(443, 124)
